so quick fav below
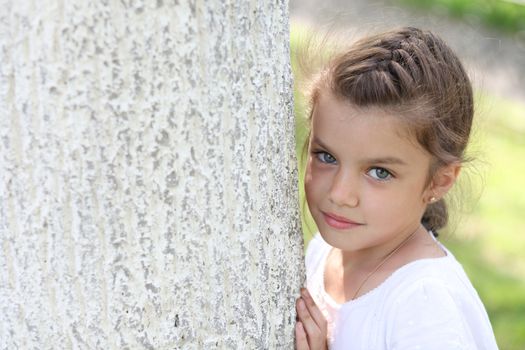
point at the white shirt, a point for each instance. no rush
(427, 304)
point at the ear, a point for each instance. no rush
(442, 182)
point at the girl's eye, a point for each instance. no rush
(325, 157)
(380, 174)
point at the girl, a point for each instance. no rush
(390, 120)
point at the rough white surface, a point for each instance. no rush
(147, 175)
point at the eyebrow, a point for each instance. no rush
(320, 143)
(378, 160)
(384, 160)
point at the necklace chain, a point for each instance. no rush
(384, 261)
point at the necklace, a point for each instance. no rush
(389, 255)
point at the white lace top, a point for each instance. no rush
(427, 304)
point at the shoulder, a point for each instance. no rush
(433, 302)
(315, 253)
(443, 272)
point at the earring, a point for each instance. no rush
(433, 199)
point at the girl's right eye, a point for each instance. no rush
(325, 157)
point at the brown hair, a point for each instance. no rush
(415, 74)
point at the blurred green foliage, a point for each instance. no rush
(508, 15)
(487, 233)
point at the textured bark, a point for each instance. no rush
(147, 175)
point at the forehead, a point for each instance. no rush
(369, 129)
(332, 109)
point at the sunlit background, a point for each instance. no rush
(487, 232)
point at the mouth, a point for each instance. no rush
(339, 222)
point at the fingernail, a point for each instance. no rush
(301, 304)
(304, 292)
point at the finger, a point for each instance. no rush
(301, 342)
(314, 310)
(311, 328)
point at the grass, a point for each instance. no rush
(508, 16)
(488, 237)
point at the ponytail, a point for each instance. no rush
(435, 217)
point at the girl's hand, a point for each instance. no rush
(310, 330)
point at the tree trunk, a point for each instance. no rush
(148, 193)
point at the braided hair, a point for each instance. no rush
(414, 73)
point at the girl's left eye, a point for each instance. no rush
(380, 174)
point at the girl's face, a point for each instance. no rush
(365, 178)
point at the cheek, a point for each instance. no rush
(308, 185)
(311, 183)
(397, 202)
(392, 199)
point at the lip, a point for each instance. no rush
(339, 222)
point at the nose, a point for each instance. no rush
(344, 190)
